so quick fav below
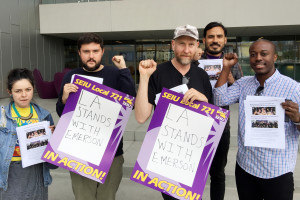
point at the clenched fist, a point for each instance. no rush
(147, 67)
(119, 62)
(229, 60)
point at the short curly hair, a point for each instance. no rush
(89, 38)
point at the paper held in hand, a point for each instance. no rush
(33, 139)
(213, 68)
(264, 122)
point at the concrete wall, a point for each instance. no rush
(137, 15)
(21, 44)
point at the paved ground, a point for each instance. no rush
(133, 137)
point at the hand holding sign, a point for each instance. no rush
(192, 95)
(119, 62)
(68, 88)
(147, 67)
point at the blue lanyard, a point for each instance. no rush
(18, 114)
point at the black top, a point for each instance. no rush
(112, 77)
(167, 76)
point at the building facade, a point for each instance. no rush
(142, 29)
(22, 45)
(42, 33)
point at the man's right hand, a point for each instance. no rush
(229, 60)
(147, 67)
(143, 108)
(69, 87)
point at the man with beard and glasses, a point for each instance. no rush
(172, 73)
(261, 172)
(214, 39)
(90, 50)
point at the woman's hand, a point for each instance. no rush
(52, 127)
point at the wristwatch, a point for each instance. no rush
(297, 123)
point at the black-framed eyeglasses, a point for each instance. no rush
(185, 80)
(259, 91)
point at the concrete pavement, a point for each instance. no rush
(133, 137)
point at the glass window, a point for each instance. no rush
(127, 51)
(288, 51)
(243, 48)
(163, 53)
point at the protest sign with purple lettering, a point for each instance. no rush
(90, 129)
(179, 146)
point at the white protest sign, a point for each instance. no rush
(179, 145)
(90, 128)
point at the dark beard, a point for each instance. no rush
(212, 52)
(97, 66)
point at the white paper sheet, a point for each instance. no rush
(33, 139)
(182, 89)
(264, 122)
(92, 78)
(212, 67)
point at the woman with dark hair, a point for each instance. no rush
(17, 182)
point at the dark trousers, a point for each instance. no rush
(167, 197)
(217, 169)
(253, 188)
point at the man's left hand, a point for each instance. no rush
(291, 110)
(119, 62)
(230, 78)
(191, 95)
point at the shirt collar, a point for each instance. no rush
(272, 79)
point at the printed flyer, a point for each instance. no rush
(264, 122)
(90, 129)
(33, 139)
(213, 68)
(179, 146)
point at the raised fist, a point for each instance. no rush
(229, 60)
(147, 67)
(119, 62)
